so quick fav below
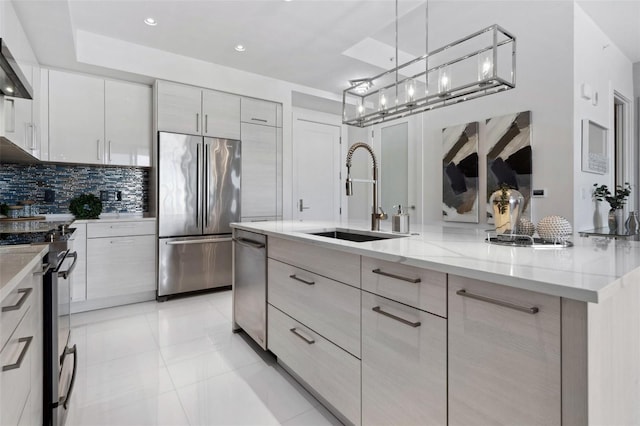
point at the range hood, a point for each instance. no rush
(12, 80)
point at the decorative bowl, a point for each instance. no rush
(554, 229)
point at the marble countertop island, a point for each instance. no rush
(585, 272)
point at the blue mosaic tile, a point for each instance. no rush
(29, 182)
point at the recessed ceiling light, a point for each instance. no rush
(240, 48)
(9, 89)
(150, 21)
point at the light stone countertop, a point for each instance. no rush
(585, 272)
(16, 262)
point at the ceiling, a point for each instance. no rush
(301, 41)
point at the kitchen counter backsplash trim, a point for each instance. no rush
(32, 182)
(587, 272)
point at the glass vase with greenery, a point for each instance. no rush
(616, 200)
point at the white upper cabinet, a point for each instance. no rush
(195, 111)
(18, 117)
(221, 115)
(76, 118)
(93, 121)
(127, 124)
(179, 108)
(255, 111)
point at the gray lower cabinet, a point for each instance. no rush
(504, 359)
(404, 364)
(332, 373)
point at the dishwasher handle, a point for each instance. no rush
(249, 243)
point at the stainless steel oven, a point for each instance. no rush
(60, 360)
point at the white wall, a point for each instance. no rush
(599, 63)
(544, 36)
(116, 54)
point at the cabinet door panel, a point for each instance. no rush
(404, 368)
(179, 108)
(18, 115)
(79, 276)
(259, 171)
(127, 124)
(120, 266)
(332, 373)
(255, 111)
(328, 307)
(504, 364)
(76, 118)
(221, 115)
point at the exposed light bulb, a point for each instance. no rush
(382, 100)
(485, 67)
(410, 91)
(444, 81)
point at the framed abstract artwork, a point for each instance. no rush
(460, 183)
(509, 159)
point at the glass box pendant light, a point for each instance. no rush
(479, 64)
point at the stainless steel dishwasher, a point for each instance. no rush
(250, 284)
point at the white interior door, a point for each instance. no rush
(316, 186)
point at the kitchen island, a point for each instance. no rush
(444, 328)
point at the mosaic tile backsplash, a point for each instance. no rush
(38, 182)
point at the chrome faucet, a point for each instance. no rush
(375, 216)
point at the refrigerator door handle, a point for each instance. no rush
(205, 201)
(198, 241)
(198, 184)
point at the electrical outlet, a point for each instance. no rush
(540, 193)
(49, 196)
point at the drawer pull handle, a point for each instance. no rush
(294, 277)
(25, 348)
(303, 337)
(397, 277)
(25, 295)
(261, 120)
(379, 310)
(525, 309)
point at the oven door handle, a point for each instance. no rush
(65, 274)
(64, 400)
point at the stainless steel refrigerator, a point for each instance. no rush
(198, 196)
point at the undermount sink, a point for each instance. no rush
(355, 236)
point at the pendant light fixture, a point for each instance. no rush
(480, 64)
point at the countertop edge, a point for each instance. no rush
(581, 295)
(17, 278)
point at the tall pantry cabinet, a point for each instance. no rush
(256, 123)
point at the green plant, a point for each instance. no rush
(86, 206)
(616, 201)
(503, 201)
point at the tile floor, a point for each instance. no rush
(178, 363)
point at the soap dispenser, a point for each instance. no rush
(400, 221)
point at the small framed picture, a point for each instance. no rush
(594, 148)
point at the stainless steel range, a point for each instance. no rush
(60, 361)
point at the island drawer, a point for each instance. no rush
(335, 264)
(421, 288)
(327, 306)
(332, 373)
(16, 304)
(15, 371)
(121, 229)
